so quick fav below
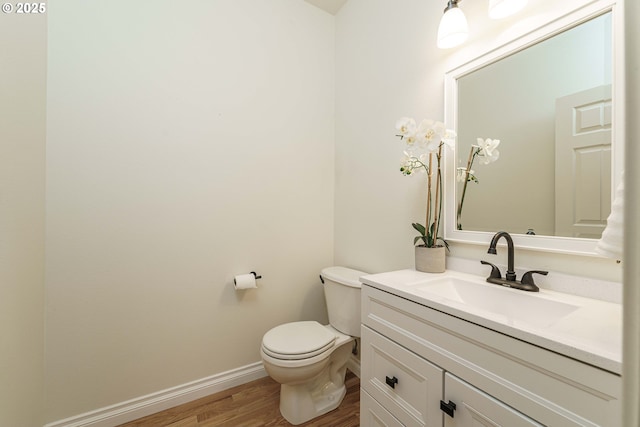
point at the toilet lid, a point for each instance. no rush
(297, 340)
(343, 275)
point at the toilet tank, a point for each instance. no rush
(342, 293)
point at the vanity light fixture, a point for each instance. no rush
(453, 29)
(499, 9)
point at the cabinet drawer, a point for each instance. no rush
(407, 385)
(475, 408)
(372, 414)
(550, 388)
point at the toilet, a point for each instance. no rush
(309, 359)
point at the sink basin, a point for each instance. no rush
(510, 306)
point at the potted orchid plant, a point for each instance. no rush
(423, 152)
(486, 151)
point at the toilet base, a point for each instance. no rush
(298, 405)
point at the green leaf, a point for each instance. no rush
(445, 243)
(420, 228)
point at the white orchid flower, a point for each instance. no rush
(430, 129)
(412, 162)
(406, 166)
(421, 143)
(430, 133)
(410, 139)
(439, 129)
(461, 174)
(449, 139)
(409, 164)
(488, 150)
(406, 126)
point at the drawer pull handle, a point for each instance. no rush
(391, 382)
(447, 408)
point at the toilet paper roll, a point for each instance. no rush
(245, 281)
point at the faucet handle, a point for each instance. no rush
(495, 271)
(527, 278)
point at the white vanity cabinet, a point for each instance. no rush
(475, 408)
(409, 386)
(415, 359)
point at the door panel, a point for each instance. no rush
(407, 385)
(583, 163)
(477, 409)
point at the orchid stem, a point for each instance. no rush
(436, 213)
(428, 216)
(472, 156)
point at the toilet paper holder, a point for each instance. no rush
(254, 275)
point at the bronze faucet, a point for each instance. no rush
(526, 284)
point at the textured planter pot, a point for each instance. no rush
(430, 260)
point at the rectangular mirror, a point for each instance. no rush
(548, 97)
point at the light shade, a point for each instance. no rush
(502, 8)
(610, 244)
(453, 29)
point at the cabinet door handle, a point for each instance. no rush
(448, 408)
(391, 382)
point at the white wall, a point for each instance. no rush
(186, 143)
(387, 66)
(22, 146)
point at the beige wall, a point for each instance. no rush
(22, 148)
(387, 68)
(187, 143)
(179, 154)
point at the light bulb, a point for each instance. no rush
(453, 29)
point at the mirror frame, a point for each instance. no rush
(569, 245)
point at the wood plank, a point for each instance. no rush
(187, 422)
(255, 404)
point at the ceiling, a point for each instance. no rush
(331, 6)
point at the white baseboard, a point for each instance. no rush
(150, 404)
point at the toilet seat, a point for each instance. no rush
(297, 340)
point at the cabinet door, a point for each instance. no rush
(475, 408)
(405, 384)
(372, 414)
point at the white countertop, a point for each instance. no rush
(592, 333)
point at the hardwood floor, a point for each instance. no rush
(251, 405)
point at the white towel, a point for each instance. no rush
(610, 244)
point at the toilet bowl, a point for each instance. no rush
(309, 359)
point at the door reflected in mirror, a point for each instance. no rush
(550, 107)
